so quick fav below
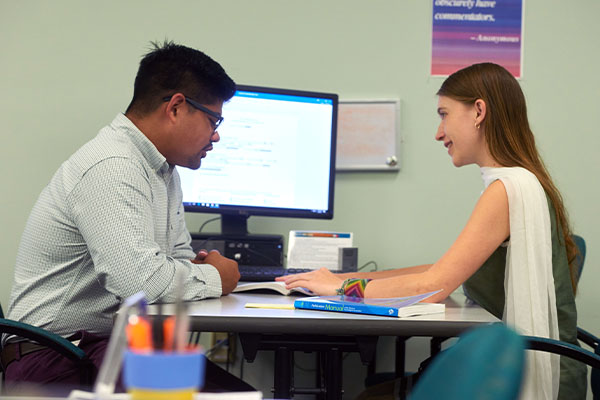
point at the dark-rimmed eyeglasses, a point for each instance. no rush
(218, 117)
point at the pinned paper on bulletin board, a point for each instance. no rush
(367, 135)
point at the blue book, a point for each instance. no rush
(391, 307)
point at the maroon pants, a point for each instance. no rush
(45, 369)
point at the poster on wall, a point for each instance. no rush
(466, 32)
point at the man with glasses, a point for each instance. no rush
(111, 222)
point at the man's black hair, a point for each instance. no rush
(172, 68)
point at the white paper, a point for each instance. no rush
(316, 249)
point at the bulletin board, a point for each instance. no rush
(367, 135)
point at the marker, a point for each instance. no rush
(169, 333)
(139, 334)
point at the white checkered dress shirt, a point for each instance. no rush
(109, 224)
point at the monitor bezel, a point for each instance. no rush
(247, 211)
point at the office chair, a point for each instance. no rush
(560, 347)
(592, 341)
(51, 340)
(580, 258)
(584, 336)
(486, 362)
(568, 349)
(571, 351)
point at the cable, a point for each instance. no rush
(206, 222)
(242, 368)
(217, 346)
(229, 349)
(370, 262)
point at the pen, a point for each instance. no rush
(111, 365)
(181, 328)
(274, 306)
(181, 318)
(158, 330)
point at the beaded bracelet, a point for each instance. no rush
(353, 287)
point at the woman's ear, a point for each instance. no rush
(481, 109)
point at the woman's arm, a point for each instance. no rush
(487, 227)
(387, 273)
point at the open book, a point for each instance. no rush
(278, 287)
(392, 307)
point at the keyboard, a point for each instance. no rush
(259, 273)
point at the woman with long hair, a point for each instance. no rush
(515, 256)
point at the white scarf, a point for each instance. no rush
(530, 304)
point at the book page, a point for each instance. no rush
(278, 287)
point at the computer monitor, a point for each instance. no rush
(276, 157)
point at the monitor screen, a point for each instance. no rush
(276, 157)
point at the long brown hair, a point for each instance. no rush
(506, 128)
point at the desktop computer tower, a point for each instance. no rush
(259, 250)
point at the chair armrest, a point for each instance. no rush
(589, 339)
(563, 349)
(43, 337)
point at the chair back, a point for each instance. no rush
(486, 362)
(580, 258)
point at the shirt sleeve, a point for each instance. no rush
(112, 206)
(182, 248)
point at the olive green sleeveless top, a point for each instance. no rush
(486, 288)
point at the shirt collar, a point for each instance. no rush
(157, 161)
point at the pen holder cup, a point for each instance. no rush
(163, 375)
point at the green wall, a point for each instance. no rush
(67, 68)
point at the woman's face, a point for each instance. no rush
(459, 131)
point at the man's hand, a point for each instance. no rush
(228, 269)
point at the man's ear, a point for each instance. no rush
(481, 110)
(172, 108)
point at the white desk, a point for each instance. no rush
(228, 314)
(286, 331)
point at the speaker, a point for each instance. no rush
(348, 259)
